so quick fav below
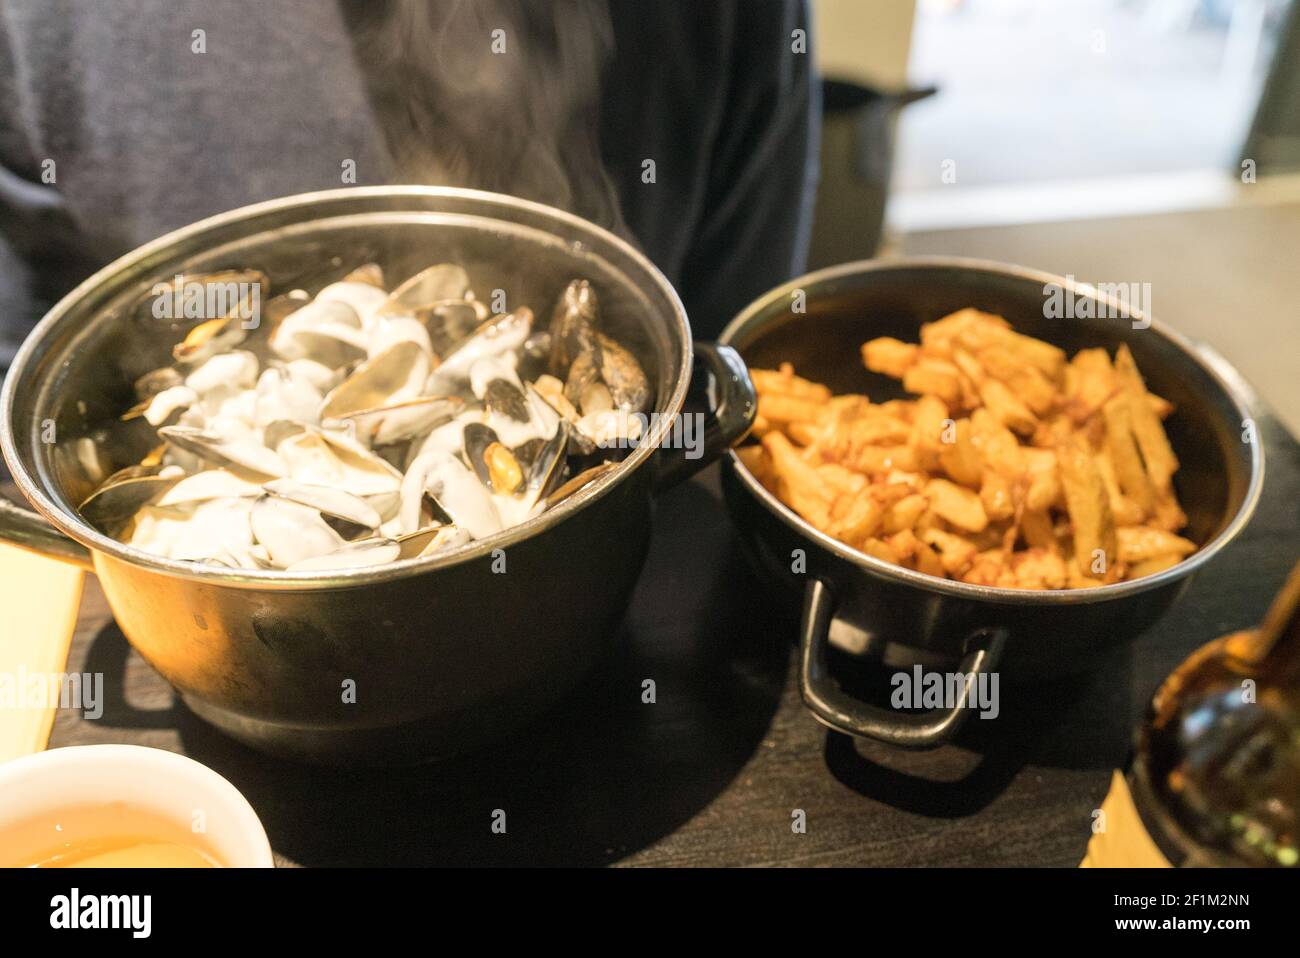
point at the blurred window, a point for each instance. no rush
(1081, 89)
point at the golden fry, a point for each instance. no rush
(1141, 543)
(937, 377)
(960, 458)
(1095, 546)
(1161, 463)
(785, 382)
(777, 408)
(956, 505)
(890, 357)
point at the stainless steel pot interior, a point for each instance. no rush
(1221, 475)
(75, 370)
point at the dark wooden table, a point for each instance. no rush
(712, 772)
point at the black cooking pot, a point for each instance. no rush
(442, 653)
(904, 618)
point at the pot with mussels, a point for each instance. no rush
(367, 475)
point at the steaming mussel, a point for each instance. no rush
(360, 426)
(494, 464)
(583, 356)
(123, 494)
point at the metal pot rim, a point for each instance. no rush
(1223, 373)
(74, 527)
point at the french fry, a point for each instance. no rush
(1048, 359)
(1089, 383)
(960, 458)
(1044, 490)
(1168, 514)
(779, 408)
(783, 381)
(854, 517)
(956, 505)
(1141, 543)
(880, 549)
(904, 513)
(1037, 530)
(804, 433)
(937, 377)
(841, 480)
(1010, 411)
(987, 568)
(1125, 510)
(1096, 548)
(937, 336)
(996, 496)
(804, 489)
(1154, 564)
(888, 356)
(883, 459)
(955, 552)
(997, 443)
(1039, 569)
(1157, 455)
(1129, 471)
(1028, 382)
(928, 430)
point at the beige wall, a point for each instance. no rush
(864, 40)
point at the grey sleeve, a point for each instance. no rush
(19, 309)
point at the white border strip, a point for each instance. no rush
(956, 207)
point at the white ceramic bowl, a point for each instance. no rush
(155, 781)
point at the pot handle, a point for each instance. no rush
(25, 529)
(724, 425)
(839, 711)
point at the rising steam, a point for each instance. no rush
(498, 95)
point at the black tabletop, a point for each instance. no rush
(716, 770)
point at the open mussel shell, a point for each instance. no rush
(396, 374)
(331, 457)
(166, 302)
(546, 470)
(498, 336)
(209, 484)
(431, 539)
(455, 490)
(370, 273)
(403, 420)
(353, 555)
(291, 531)
(327, 501)
(440, 283)
(452, 322)
(327, 331)
(156, 381)
(122, 495)
(239, 291)
(494, 465)
(579, 482)
(495, 382)
(163, 407)
(237, 452)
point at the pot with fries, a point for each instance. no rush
(950, 474)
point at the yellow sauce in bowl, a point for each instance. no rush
(112, 835)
